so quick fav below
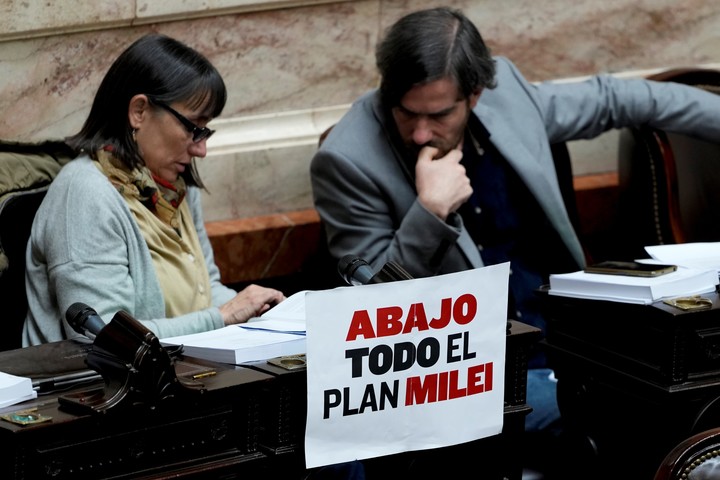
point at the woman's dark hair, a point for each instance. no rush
(427, 45)
(162, 68)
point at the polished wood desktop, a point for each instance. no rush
(244, 420)
(216, 430)
(633, 380)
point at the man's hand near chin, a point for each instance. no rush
(442, 183)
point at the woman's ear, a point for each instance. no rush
(138, 110)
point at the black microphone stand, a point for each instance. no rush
(136, 369)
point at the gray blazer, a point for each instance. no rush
(365, 192)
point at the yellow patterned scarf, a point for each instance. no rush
(167, 226)
(160, 197)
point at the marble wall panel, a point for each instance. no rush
(560, 39)
(23, 19)
(320, 55)
(272, 61)
(297, 58)
(313, 55)
(153, 9)
(263, 182)
(48, 83)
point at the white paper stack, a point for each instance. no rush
(697, 273)
(278, 332)
(631, 289)
(14, 389)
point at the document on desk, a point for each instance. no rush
(693, 255)
(15, 389)
(286, 317)
(631, 289)
(234, 344)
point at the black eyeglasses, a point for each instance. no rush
(198, 133)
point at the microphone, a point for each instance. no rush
(391, 272)
(84, 320)
(356, 271)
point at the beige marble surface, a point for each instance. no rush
(310, 56)
(271, 60)
(23, 19)
(27, 19)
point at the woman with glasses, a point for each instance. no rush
(121, 226)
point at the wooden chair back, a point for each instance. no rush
(669, 183)
(695, 458)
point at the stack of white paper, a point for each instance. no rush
(630, 289)
(234, 344)
(279, 331)
(14, 389)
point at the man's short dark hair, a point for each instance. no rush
(427, 45)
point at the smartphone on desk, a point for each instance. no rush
(633, 269)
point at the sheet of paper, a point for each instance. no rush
(20, 399)
(692, 255)
(621, 299)
(231, 337)
(292, 308)
(15, 389)
(286, 317)
(405, 366)
(275, 325)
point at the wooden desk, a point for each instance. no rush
(633, 380)
(216, 430)
(250, 420)
(492, 458)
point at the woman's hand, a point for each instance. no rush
(250, 302)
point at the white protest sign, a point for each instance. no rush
(405, 366)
